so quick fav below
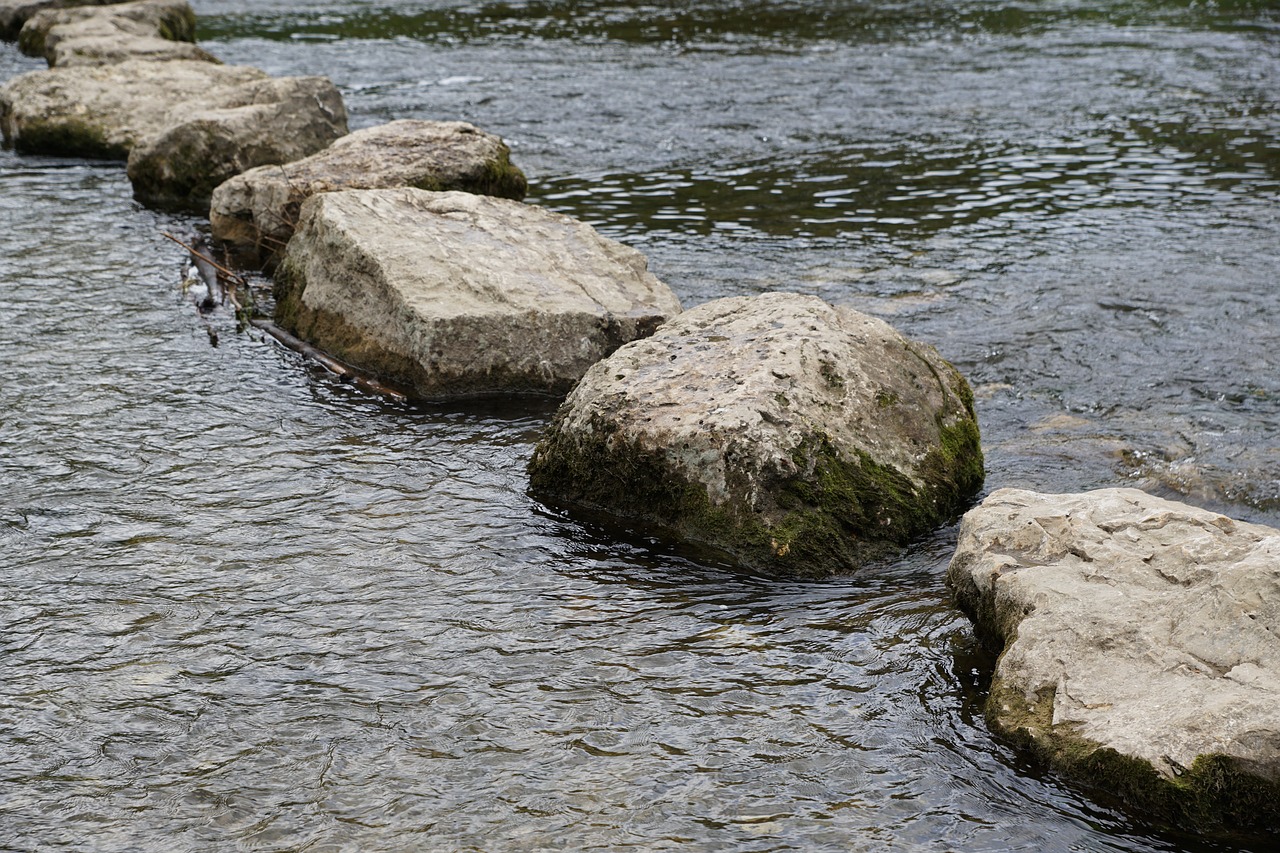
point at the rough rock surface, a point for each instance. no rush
(154, 30)
(800, 438)
(254, 213)
(105, 111)
(455, 294)
(1141, 646)
(15, 13)
(266, 122)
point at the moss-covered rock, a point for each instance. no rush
(254, 213)
(799, 438)
(1139, 648)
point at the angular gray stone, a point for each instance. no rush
(455, 294)
(15, 13)
(254, 213)
(270, 121)
(800, 438)
(185, 127)
(1141, 646)
(105, 111)
(153, 30)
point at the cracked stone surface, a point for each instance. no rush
(452, 293)
(1153, 627)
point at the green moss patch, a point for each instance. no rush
(1215, 794)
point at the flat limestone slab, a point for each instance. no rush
(798, 437)
(154, 30)
(456, 294)
(14, 13)
(254, 213)
(1141, 646)
(104, 111)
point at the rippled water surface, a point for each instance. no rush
(248, 607)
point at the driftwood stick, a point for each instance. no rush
(210, 270)
(233, 277)
(343, 371)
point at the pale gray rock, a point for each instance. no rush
(153, 30)
(15, 13)
(798, 437)
(104, 111)
(254, 213)
(1140, 646)
(185, 127)
(455, 294)
(270, 121)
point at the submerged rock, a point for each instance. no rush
(454, 294)
(266, 122)
(1141, 647)
(15, 13)
(800, 438)
(153, 30)
(254, 213)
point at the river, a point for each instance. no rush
(248, 607)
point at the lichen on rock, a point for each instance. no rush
(1139, 647)
(796, 437)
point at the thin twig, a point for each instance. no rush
(235, 277)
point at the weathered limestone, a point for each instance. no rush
(800, 438)
(14, 13)
(105, 111)
(455, 294)
(254, 213)
(184, 126)
(154, 30)
(1141, 646)
(267, 121)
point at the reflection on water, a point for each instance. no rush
(248, 607)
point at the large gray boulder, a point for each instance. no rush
(800, 438)
(185, 127)
(254, 213)
(154, 30)
(270, 121)
(1140, 647)
(15, 13)
(456, 294)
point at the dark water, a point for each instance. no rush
(246, 607)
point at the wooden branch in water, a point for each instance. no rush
(343, 371)
(211, 271)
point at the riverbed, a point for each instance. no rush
(247, 606)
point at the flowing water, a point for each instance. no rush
(247, 607)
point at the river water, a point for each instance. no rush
(247, 607)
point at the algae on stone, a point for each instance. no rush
(759, 427)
